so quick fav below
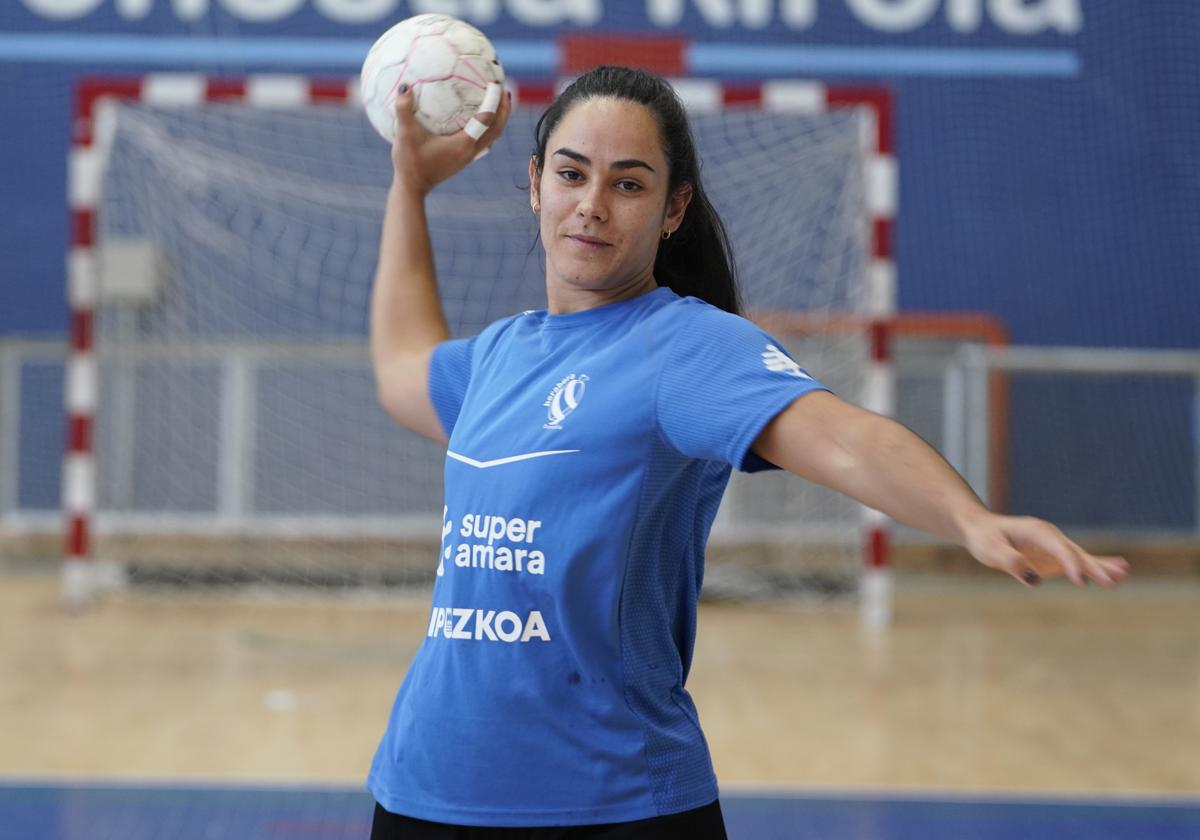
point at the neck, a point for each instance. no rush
(563, 299)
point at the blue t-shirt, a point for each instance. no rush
(588, 453)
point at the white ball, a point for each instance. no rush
(448, 64)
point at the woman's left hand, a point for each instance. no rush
(1031, 549)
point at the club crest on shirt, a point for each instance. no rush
(564, 398)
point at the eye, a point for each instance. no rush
(629, 186)
(566, 173)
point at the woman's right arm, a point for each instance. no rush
(406, 315)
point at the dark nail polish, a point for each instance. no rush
(404, 88)
(1031, 577)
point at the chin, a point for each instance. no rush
(588, 284)
(584, 276)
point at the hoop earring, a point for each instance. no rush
(666, 234)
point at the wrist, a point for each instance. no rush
(968, 521)
(407, 185)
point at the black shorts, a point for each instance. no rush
(704, 823)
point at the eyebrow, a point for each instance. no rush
(617, 164)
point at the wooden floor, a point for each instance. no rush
(978, 686)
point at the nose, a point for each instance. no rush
(591, 202)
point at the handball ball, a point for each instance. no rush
(448, 64)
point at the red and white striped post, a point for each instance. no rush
(80, 576)
(83, 287)
(879, 392)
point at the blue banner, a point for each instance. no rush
(955, 22)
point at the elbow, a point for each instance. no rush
(389, 384)
(840, 456)
(390, 398)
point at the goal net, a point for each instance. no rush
(236, 433)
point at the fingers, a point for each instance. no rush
(1031, 550)
(996, 551)
(1049, 553)
(503, 115)
(1017, 565)
(1106, 571)
(475, 128)
(487, 125)
(406, 119)
(1065, 552)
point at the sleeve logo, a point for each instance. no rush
(777, 361)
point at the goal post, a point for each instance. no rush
(218, 392)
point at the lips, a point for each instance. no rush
(587, 240)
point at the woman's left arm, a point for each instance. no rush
(882, 464)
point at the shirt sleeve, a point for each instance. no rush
(449, 376)
(723, 381)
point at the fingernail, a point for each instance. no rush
(1031, 577)
(404, 88)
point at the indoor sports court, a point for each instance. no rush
(218, 552)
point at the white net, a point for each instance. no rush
(1116, 499)
(238, 436)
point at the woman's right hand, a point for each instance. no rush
(421, 159)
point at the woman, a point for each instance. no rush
(588, 447)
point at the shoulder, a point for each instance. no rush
(497, 332)
(701, 321)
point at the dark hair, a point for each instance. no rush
(697, 260)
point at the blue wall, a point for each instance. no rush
(1051, 177)
(1065, 201)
